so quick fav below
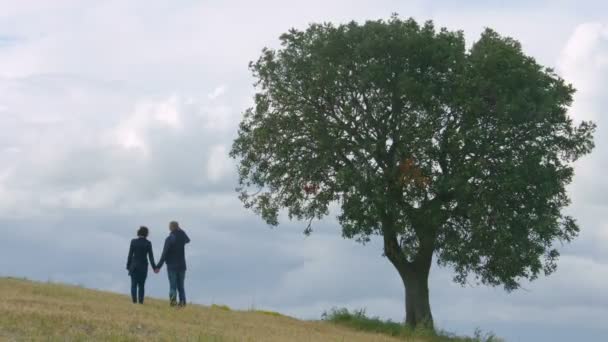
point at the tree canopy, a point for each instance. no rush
(462, 154)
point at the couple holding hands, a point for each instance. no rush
(173, 255)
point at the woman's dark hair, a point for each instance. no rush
(142, 231)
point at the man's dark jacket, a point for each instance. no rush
(139, 253)
(173, 252)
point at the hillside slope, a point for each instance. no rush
(40, 311)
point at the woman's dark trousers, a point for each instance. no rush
(138, 282)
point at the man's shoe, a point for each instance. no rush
(182, 304)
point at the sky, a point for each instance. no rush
(116, 114)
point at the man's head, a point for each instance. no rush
(173, 225)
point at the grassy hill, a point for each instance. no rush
(41, 311)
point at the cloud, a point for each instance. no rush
(121, 113)
(218, 163)
(147, 115)
(584, 62)
(217, 92)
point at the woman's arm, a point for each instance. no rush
(130, 256)
(151, 255)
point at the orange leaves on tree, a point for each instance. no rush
(311, 189)
(409, 173)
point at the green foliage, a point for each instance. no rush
(221, 307)
(270, 313)
(360, 321)
(462, 154)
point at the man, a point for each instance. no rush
(174, 256)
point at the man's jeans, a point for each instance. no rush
(176, 284)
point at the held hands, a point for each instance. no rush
(156, 270)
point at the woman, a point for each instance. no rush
(137, 263)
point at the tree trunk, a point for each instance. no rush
(415, 277)
(417, 306)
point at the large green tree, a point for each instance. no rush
(447, 152)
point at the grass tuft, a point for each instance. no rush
(271, 313)
(221, 307)
(358, 320)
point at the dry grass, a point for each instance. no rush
(31, 311)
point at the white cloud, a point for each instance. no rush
(168, 112)
(217, 92)
(131, 132)
(584, 62)
(218, 163)
(602, 233)
(121, 113)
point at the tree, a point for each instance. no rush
(447, 152)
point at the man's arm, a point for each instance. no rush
(165, 251)
(186, 236)
(130, 256)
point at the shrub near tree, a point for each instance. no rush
(456, 154)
